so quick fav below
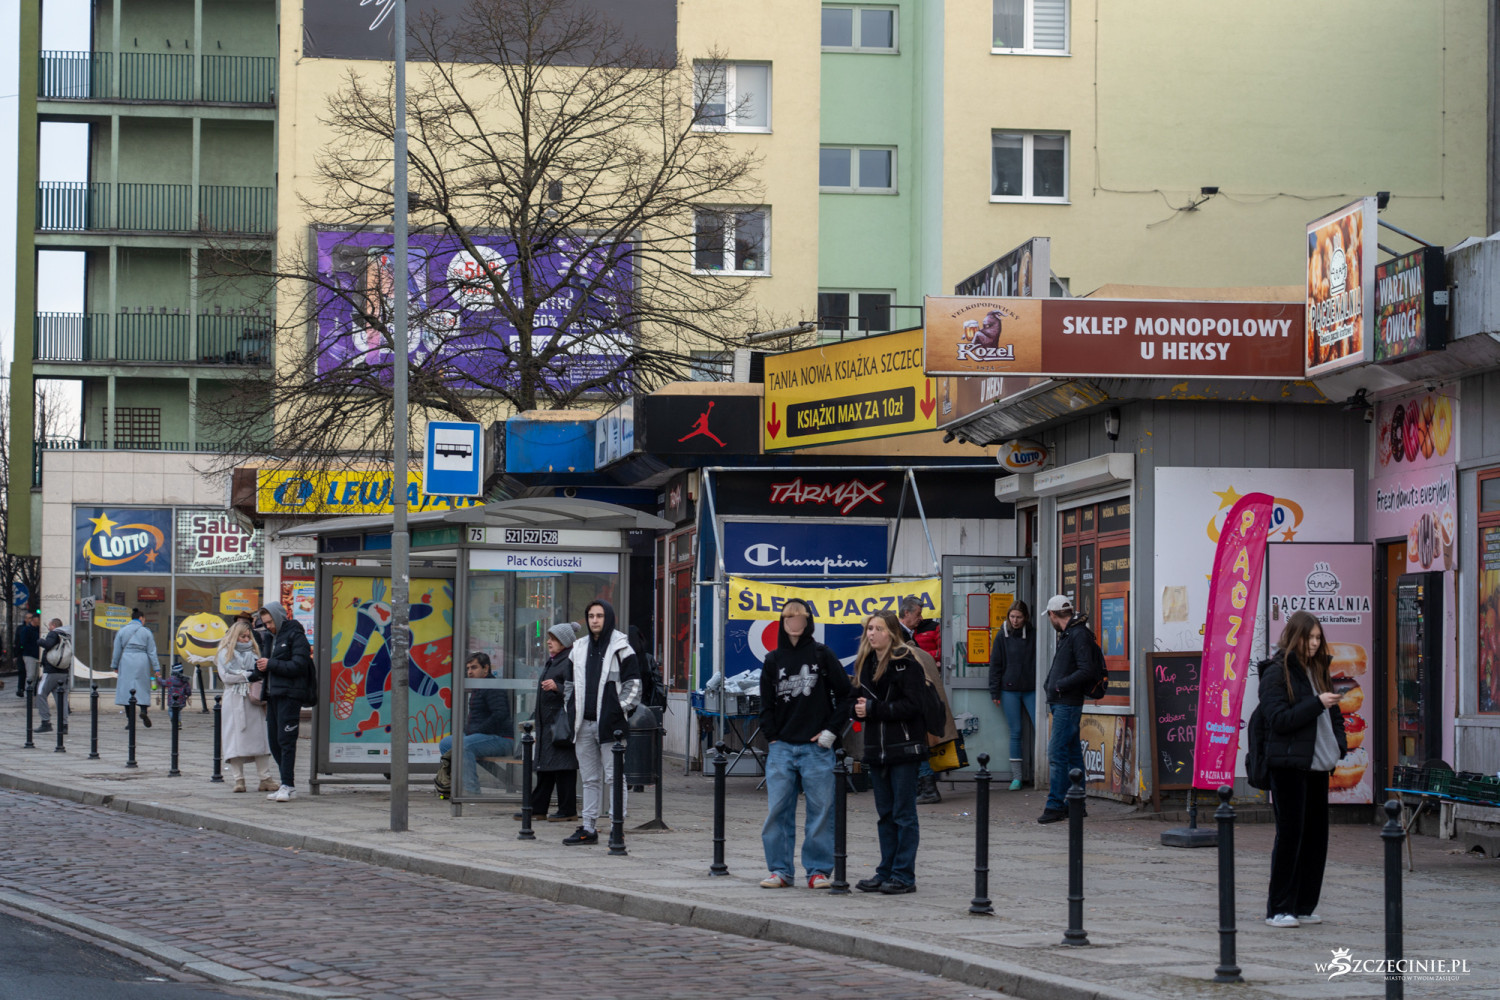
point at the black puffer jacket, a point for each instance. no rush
(1013, 661)
(893, 711)
(289, 669)
(1072, 670)
(549, 756)
(1292, 720)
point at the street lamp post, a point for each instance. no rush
(400, 540)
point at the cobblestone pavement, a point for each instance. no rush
(358, 930)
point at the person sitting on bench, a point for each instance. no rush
(488, 731)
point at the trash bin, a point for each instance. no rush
(643, 748)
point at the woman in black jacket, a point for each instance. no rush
(888, 701)
(556, 766)
(1013, 679)
(1304, 741)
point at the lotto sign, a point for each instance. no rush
(122, 539)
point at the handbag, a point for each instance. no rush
(949, 755)
(256, 691)
(560, 729)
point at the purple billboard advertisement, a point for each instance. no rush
(455, 324)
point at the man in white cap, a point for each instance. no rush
(1071, 675)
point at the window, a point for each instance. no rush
(857, 169)
(859, 29)
(711, 366)
(136, 426)
(734, 96)
(1037, 27)
(732, 240)
(1029, 166)
(1093, 568)
(853, 312)
(1487, 566)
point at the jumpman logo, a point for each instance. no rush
(700, 426)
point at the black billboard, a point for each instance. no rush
(859, 493)
(699, 425)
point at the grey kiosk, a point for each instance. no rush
(490, 579)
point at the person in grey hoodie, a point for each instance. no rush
(291, 682)
(55, 674)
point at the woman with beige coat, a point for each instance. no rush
(243, 722)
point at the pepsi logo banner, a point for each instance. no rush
(122, 539)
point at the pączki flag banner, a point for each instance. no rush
(1233, 597)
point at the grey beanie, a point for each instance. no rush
(565, 633)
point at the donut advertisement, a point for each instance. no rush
(1335, 582)
(1414, 491)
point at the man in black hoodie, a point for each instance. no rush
(291, 682)
(1071, 675)
(805, 702)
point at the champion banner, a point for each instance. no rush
(755, 601)
(1233, 594)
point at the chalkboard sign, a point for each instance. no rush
(1173, 694)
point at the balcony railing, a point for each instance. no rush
(152, 337)
(73, 206)
(165, 77)
(83, 444)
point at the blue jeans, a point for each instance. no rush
(1064, 753)
(476, 746)
(895, 788)
(793, 768)
(1011, 703)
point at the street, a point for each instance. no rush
(356, 930)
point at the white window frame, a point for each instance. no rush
(732, 99)
(854, 186)
(1029, 48)
(895, 12)
(729, 212)
(828, 335)
(1028, 156)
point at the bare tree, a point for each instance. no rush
(52, 420)
(562, 177)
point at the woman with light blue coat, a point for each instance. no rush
(134, 661)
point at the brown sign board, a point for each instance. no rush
(961, 398)
(1113, 338)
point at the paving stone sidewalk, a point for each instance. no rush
(1151, 912)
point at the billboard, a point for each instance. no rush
(1414, 485)
(456, 331)
(305, 491)
(1409, 319)
(122, 539)
(1340, 288)
(1111, 338)
(213, 541)
(1025, 271)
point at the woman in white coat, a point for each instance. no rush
(243, 722)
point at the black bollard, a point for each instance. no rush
(175, 716)
(30, 744)
(840, 886)
(980, 905)
(94, 721)
(527, 742)
(62, 719)
(721, 762)
(1393, 835)
(1228, 970)
(218, 775)
(203, 689)
(1075, 933)
(617, 801)
(130, 729)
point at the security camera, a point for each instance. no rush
(570, 492)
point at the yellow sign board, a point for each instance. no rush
(291, 491)
(111, 616)
(867, 388)
(751, 600)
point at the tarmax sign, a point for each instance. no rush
(1113, 337)
(856, 493)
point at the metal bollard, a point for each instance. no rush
(30, 744)
(617, 801)
(1393, 835)
(1075, 933)
(130, 729)
(980, 905)
(62, 718)
(175, 716)
(527, 742)
(94, 721)
(218, 775)
(721, 762)
(840, 886)
(1228, 970)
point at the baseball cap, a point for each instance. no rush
(1060, 602)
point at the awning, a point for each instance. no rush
(534, 512)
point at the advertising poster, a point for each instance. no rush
(359, 714)
(1109, 764)
(122, 539)
(1407, 322)
(1414, 488)
(1340, 288)
(211, 541)
(1111, 337)
(294, 491)
(1489, 619)
(1336, 583)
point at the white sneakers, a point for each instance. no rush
(285, 793)
(1283, 920)
(774, 881)
(1309, 918)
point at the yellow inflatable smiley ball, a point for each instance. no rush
(198, 637)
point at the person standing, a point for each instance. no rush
(805, 700)
(925, 635)
(135, 663)
(1304, 742)
(606, 686)
(888, 701)
(242, 721)
(487, 727)
(57, 668)
(1013, 679)
(1071, 674)
(291, 683)
(27, 651)
(556, 765)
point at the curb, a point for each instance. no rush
(992, 974)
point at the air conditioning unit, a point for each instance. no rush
(749, 365)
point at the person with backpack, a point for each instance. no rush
(1075, 670)
(1304, 740)
(889, 702)
(805, 700)
(135, 662)
(653, 688)
(925, 636)
(606, 687)
(1013, 679)
(291, 682)
(56, 648)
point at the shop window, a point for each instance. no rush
(1489, 592)
(1094, 570)
(676, 641)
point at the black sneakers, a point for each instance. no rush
(894, 888)
(869, 885)
(1052, 816)
(582, 836)
(45, 727)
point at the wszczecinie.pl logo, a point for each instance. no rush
(1428, 969)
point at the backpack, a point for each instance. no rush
(934, 716)
(1100, 687)
(60, 655)
(1257, 761)
(179, 690)
(652, 693)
